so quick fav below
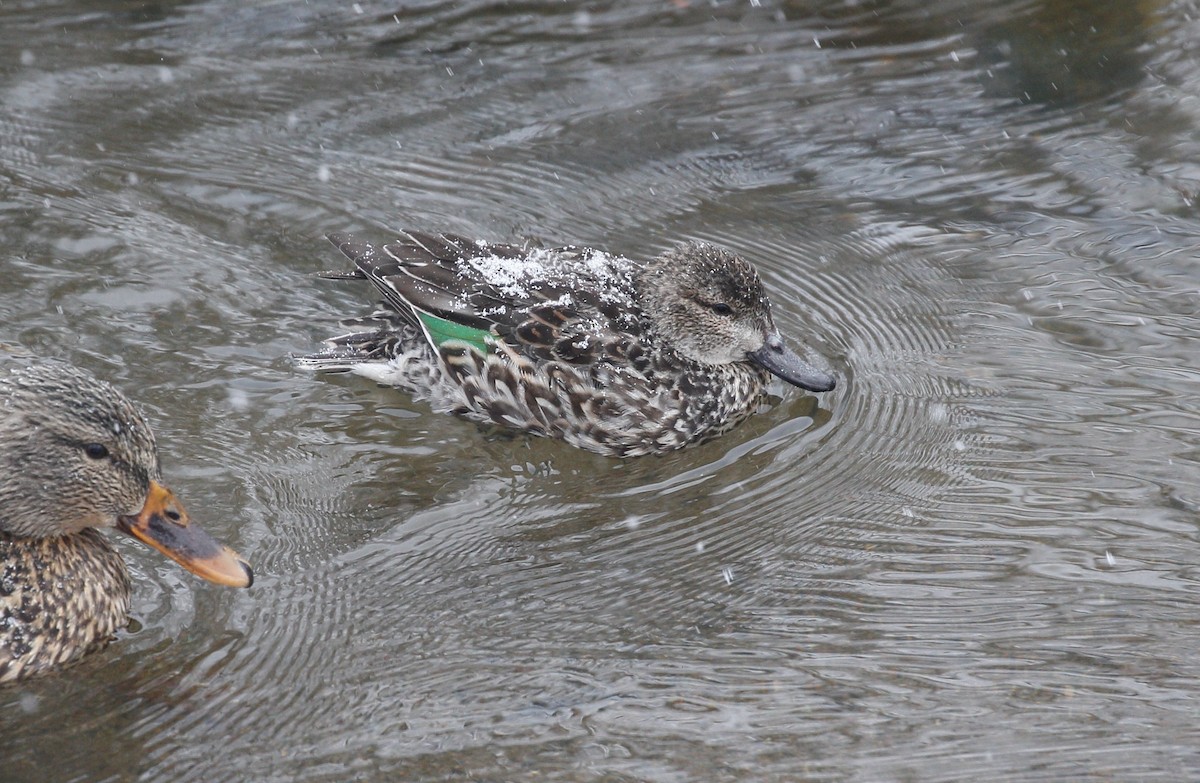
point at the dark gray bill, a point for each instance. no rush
(777, 359)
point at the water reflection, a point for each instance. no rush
(1068, 52)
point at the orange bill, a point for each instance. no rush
(163, 524)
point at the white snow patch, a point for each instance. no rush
(513, 277)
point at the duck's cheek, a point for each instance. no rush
(79, 518)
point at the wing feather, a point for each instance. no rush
(542, 304)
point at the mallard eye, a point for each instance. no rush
(96, 450)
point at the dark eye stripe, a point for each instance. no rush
(718, 307)
(139, 473)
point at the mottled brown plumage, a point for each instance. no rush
(60, 598)
(75, 455)
(612, 355)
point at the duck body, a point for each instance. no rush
(76, 456)
(616, 357)
(60, 599)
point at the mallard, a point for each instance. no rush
(614, 356)
(77, 456)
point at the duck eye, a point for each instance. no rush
(720, 308)
(96, 450)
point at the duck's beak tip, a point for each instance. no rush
(225, 568)
(249, 572)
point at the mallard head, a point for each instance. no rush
(77, 454)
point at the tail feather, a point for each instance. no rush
(348, 350)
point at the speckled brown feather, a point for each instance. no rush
(567, 348)
(60, 598)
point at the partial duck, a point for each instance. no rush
(615, 356)
(76, 456)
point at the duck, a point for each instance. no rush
(78, 458)
(615, 356)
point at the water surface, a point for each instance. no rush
(976, 558)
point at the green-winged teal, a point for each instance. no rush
(611, 355)
(78, 456)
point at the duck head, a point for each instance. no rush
(77, 454)
(709, 303)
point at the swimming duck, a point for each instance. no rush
(614, 356)
(77, 456)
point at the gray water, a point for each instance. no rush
(976, 559)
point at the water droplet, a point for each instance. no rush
(238, 399)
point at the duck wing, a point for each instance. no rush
(562, 303)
